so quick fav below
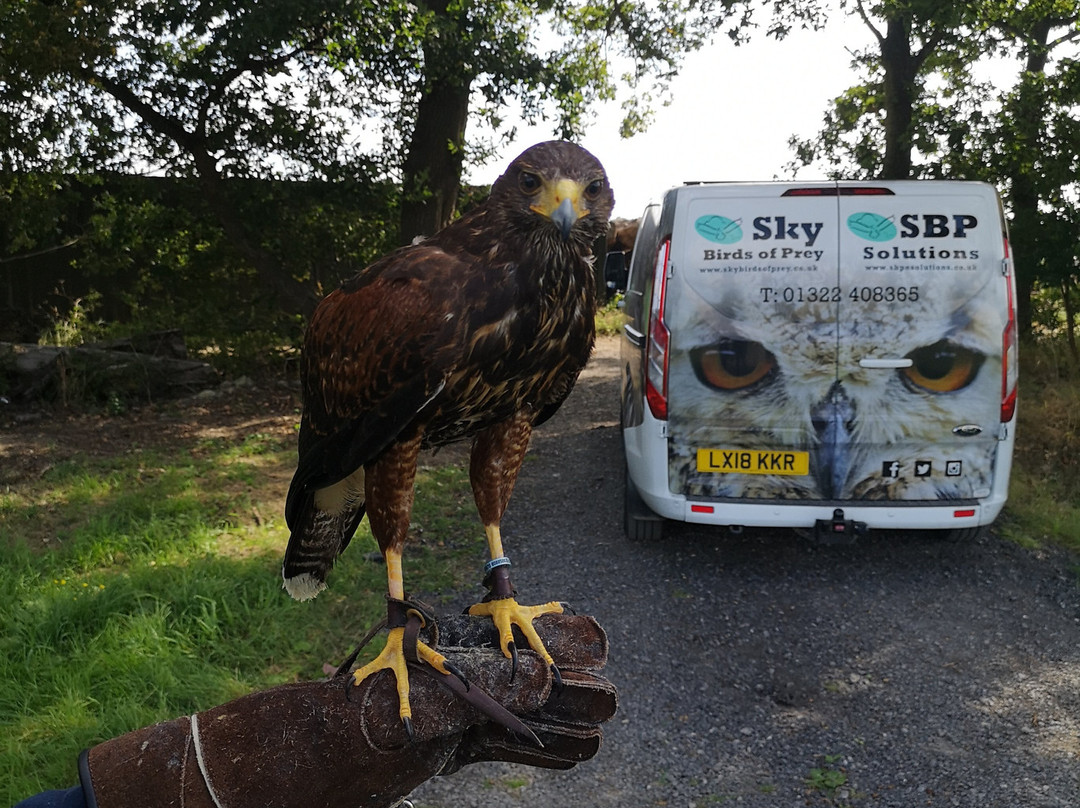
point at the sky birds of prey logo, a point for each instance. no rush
(719, 229)
(722, 230)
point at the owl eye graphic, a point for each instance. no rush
(943, 367)
(733, 364)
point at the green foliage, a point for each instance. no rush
(150, 256)
(827, 779)
(209, 90)
(954, 123)
(216, 89)
(131, 84)
(33, 212)
(901, 110)
(138, 588)
(219, 93)
(76, 325)
(609, 318)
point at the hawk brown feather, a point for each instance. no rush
(477, 332)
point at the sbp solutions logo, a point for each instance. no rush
(930, 229)
(878, 228)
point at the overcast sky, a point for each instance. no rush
(734, 109)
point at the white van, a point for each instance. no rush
(835, 356)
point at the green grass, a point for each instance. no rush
(1044, 495)
(141, 587)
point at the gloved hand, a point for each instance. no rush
(334, 744)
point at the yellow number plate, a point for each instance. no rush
(753, 461)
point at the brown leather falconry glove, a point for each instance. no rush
(334, 744)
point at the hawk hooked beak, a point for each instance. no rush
(561, 202)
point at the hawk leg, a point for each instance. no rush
(396, 654)
(388, 488)
(497, 453)
(506, 612)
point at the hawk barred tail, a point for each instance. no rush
(477, 333)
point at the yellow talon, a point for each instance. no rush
(507, 613)
(392, 657)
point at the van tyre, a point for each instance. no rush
(963, 535)
(639, 521)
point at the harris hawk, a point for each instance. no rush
(478, 332)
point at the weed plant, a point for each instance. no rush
(609, 317)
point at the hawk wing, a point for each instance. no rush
(377, 351)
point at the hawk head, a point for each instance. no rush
(558, 192)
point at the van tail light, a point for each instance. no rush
(1009, 356)
(656, 353)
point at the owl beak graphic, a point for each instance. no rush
(834, 421)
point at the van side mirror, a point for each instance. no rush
(616, 272)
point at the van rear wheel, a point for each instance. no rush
(955, 535)
(639, 521)
(962, 535)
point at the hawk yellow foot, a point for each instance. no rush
(392, 657)
(507, 613)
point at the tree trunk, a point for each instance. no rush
(1024, 195)
(85, 374)
(1068, 284)
(901, 67)
(431, 173)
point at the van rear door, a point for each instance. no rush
(753, 306)
(923, 311)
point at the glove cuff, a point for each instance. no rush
(89, 798)
(151, 766)
(306, 743)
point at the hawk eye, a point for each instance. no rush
(732, 364)
(593, 189)
(529, 182)
(943, 367)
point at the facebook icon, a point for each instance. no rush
(890, 468)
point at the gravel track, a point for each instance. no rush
(763, 670)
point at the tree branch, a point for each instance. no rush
(929, 46)
(1061, 40)
(158, 122)
(256, 67)
(43, 251)
(869, 23)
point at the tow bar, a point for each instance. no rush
(838, 530)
